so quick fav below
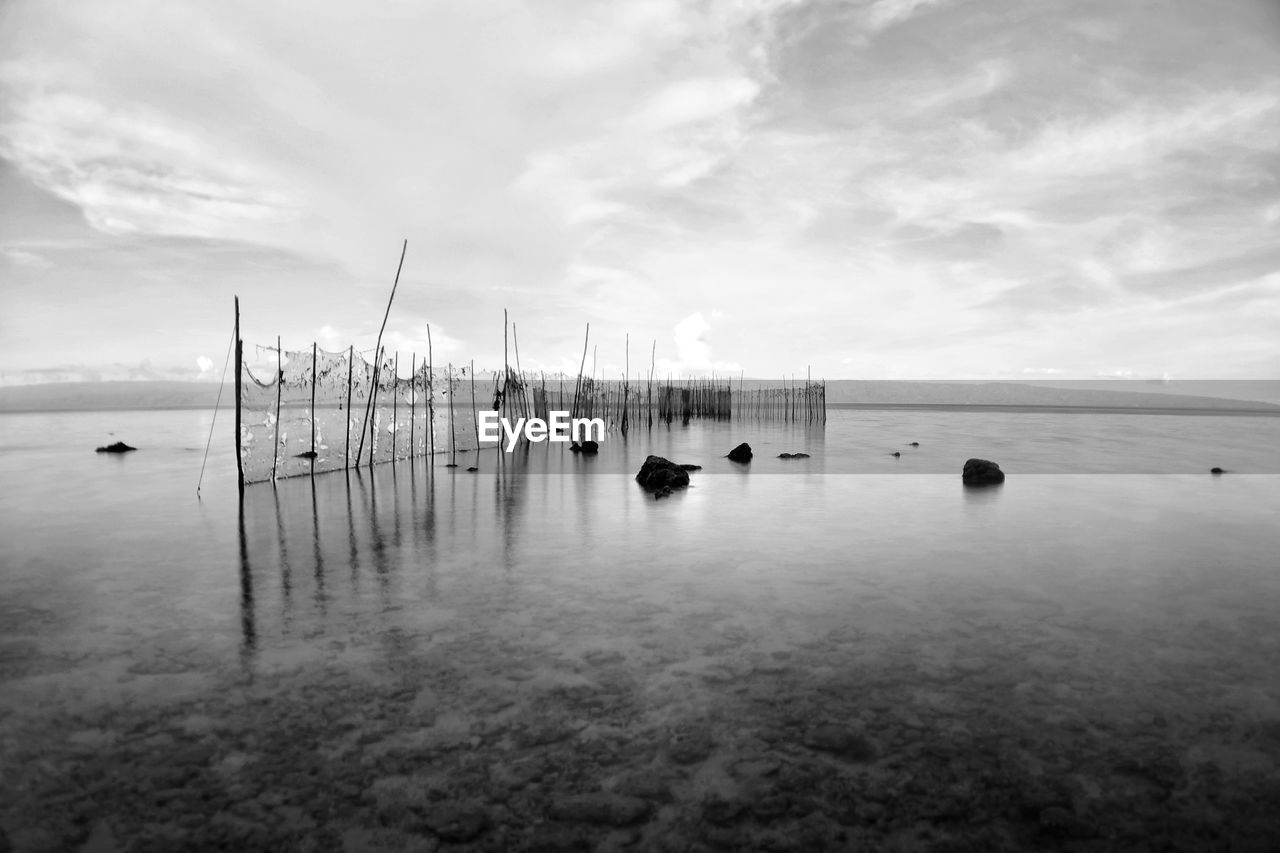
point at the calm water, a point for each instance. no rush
(1093, 642)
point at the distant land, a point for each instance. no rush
(1207, 396)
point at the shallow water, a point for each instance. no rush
(538, 655)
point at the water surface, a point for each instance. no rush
(849, 649)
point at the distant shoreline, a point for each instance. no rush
(1231, 411)
(1238, 411)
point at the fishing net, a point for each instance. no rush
(310, 411)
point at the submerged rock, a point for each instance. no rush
(896, 454)
(741, 453)
(307, 454)
(846, 743)
(914, 444)
(981, 472)
(793, 455)
(1216, 470)
(688, 467)
(118, 447)
(584, 447)
(658, 474)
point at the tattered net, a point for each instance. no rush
(309, 411)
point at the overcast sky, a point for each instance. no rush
(883, 189)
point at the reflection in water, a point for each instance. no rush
(979, 495)
(248, 630)
(319, 552)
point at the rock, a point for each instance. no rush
(590, 447)
(602, 808)
(741, 453)
(658, 473)
(1216, 470)
(118, 447)
(308, 454)
(914, 444)
(896, 454)
(841, 741)
(688, 467)
(793, 455)
(982, 472)
(472, 468)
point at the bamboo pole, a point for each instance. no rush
(313, 409)
(578, 387)
(431, 399)
(453, 441)
(413, 401)
(506, 371)
(239, 370)
(377, 349)
(474, 414)
(373, 406)
(395, 407)
(351, 358)
(275, 446)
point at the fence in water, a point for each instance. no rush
(309, 411)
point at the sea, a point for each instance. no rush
(847, 651)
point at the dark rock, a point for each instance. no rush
(741, 453)
(473, 468)
(118, 447)
(895, 454)
(793, 455)
(981, 472)
(841, 741)
(1216, 470)
(455, 821)
(603, 808)
(308, 454)
(690, 745)
(914, 444)
(589, 447)
(658, 473)
(688, 467)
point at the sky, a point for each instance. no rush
(874, 189)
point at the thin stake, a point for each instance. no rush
(275, 447)
(313, 408)
(351, 357)
(239, 370)
(377, 347)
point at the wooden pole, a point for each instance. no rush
(413, 401)
(275, 447)
(474, 414)
(239, 370)
(578, 387)
(313, 408)
(377, 347)
(351, 357)
(373, 404)
(453, 441)
(431, 399)
(395, 407)
(506, 371)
